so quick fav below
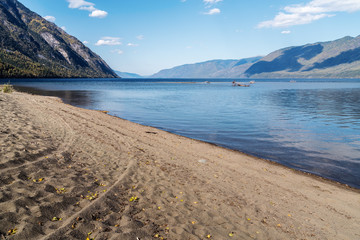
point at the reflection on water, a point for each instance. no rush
(311, 126)
(77, 97)
(339, 104)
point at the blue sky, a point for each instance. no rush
(145, 36)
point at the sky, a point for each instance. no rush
(146, 36)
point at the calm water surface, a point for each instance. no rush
(312, 126)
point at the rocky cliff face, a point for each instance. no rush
(30, 46)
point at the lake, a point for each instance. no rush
(309, 125)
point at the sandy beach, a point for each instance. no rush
(71, 173)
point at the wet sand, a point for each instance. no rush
(71, 173)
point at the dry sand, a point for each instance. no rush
(66, 172)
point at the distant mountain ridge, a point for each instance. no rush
(30, 46)
(128, 75)
(208, 69)
(333, 59)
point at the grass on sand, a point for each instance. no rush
(7, 88)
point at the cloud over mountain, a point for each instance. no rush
(306, 13)
(50, 18)
(108, 41)
(87, 6)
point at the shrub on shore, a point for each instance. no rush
(7, 88)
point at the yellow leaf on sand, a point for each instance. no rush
(231, 234)
(73, 226)
(38, 180)
(208, 236)
(133, 199)
(12, 231)
(88, 236)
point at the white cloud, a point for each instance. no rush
(140, 37)
(132, 45)
(287, 20)
(63, 28)
(79, 4)
(210, 4)
(213, 11)
(212, 1)
(314, 10)
(98, 14)
(50, 18)
(108, 41)
(286, 32)
(85, 42)
(118, 51)
(87, 6)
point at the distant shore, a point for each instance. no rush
(71, 173)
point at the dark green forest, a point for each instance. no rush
(16, 65)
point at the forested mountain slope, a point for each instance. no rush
(32, 47)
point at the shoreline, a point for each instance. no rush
(125, 180)
(269, 161)
(36, 91)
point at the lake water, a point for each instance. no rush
(309, 125)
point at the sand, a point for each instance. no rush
(71, 173)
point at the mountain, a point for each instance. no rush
(196, 70)
(238, 70)
(32, 47)
(208, 69)
(333, 59)
(128, 75)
